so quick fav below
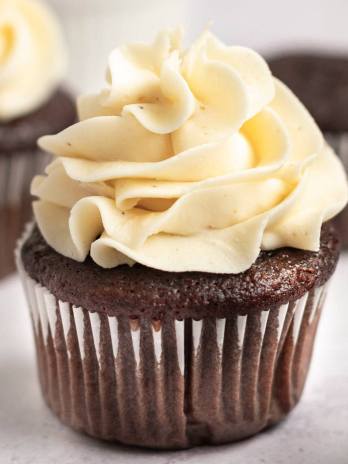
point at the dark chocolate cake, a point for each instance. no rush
(275, 278)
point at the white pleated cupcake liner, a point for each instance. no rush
(171, 383)
(16, 173)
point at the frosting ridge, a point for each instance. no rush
(189, 160)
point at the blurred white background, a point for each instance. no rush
(270, 25)
(94, 27)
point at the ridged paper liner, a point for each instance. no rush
(16, 173)
(339, 143)
(171, 383)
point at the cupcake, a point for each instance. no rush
(32, 64)
(320, 80)
(182, 248)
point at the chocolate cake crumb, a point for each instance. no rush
(276, 278)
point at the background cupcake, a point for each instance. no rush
(32, 65)
(182, 248)
(320, 80)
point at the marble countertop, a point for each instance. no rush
(316, 432)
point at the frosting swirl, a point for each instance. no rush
(188, 161)
(32, 56)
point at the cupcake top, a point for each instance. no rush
(189, 160)
(32, 56)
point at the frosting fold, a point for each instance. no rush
(189, 160)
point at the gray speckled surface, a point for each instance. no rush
(316, 432)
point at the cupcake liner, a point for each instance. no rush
(339, 143)
(171, 383)
(16, 173)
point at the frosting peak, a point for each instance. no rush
(189, 160)
(32, 56)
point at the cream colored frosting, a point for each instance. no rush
(188, 161)
(32, 56)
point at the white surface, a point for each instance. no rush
(316, 433)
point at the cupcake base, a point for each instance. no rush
(172, 383)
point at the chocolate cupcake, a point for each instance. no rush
(32, 64)
(181, 250)
(320, 80)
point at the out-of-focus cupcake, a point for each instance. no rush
(182, 248)
(320, 80)
(32, 65)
